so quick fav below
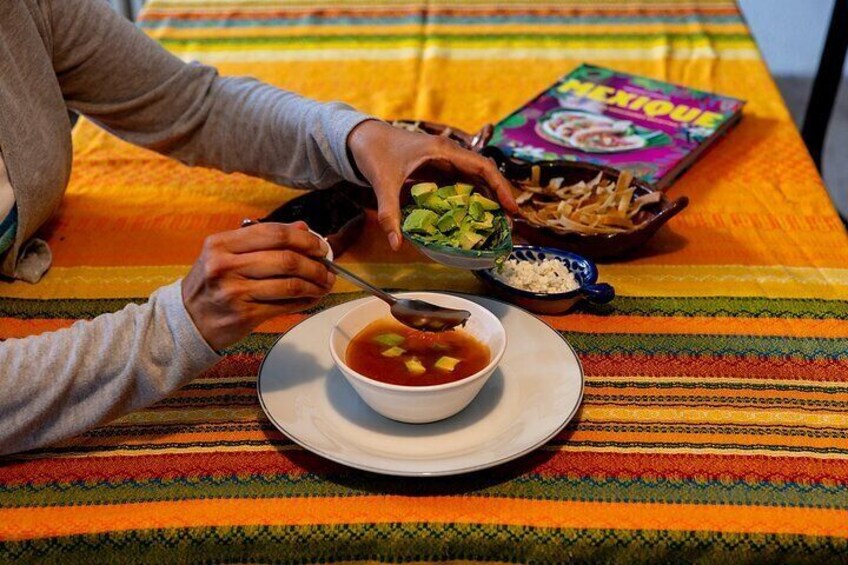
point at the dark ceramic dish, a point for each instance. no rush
(600, 246)
(584, 271)
(329, 212)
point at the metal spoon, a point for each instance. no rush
(416, 314)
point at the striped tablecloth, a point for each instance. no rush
(716, 410)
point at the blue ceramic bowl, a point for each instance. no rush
(584, 271)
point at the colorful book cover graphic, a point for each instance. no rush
(615, 119)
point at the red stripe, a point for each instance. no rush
(824, 370)
(298, 13)
(713, 366)
(753, 468)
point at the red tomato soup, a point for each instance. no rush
(389, 352)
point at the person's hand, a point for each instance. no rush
(387, 156)
(246, 276)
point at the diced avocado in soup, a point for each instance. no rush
(390, 352)
(414, 366)
(446, 363)
(394, 352)
(390, 339)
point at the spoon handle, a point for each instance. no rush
(342, 272)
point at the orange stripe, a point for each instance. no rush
(14, 327)
(701, 325)
(28, 523)
(600, 394)
(685, 440)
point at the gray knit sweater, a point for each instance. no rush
(59, 54)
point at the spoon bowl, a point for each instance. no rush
(416, 314)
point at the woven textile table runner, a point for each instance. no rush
(715, 417)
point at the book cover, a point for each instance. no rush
(593, 114)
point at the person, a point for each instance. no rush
(57, 55)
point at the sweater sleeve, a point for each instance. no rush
(121, 79)
(59, 384)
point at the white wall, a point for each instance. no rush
(790, 33)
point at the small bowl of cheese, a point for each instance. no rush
(546, 280)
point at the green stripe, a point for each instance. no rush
(491, 484)
(434, 542)
(696, 400)
(718, 306)
(726, 306)
(672, 345)
(686, 446)
(539, 37)
(247, 397)
(823, 388)
(698, 345)
(137, 430)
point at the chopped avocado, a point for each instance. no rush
(421, 221)
(447, 222)
(486, 223)
(421, 190)
(414, 366)
(436, 203)
(475, 210)
(468, 239)
(463, 188)
(446, 363)
(458, 201)
(446, 191)
(440, 346)
(459, 214)
(487, 204)
(389, 339)
(393, 352)
(455, 216)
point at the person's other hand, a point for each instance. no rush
(249, 275)
(387, 156)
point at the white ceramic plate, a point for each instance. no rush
(533, 394)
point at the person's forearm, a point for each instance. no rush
(111, 72)
(258, 129)
(59, 384)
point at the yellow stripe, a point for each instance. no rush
(192, 416)
(829, 385)
(629, 280)
(741, 416)
(164, 451)
(565, 448)
(554, 53)
(727, 280)
(690, 449)
(261, 30)
(277, 4)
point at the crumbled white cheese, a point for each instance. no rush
(548, 276)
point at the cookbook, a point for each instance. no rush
(654, 129)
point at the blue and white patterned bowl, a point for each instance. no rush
(584, 271)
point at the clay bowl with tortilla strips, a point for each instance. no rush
(589, 209)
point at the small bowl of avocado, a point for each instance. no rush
(456, 226)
